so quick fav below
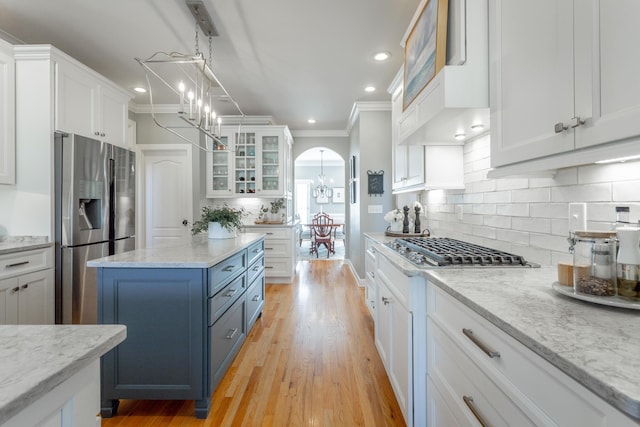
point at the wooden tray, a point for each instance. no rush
(394, 234)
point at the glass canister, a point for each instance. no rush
(594, 262)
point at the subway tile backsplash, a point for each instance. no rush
(529, 216)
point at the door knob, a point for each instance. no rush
(185, 222)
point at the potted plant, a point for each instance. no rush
(221, 222)
(276, 206)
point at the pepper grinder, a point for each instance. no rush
(417, 221)
(405, 222)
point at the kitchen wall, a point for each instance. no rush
(529, 216)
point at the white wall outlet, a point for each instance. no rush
(374, 209)
(577, 216)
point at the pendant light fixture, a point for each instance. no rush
(194, 84)
(322, 190)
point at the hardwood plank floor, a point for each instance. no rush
(310, 360)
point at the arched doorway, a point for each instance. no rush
(309, 165)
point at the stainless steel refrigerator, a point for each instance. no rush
(94, 217)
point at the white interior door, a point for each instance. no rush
(168, 201)
(302, 200)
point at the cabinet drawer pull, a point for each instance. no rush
(257, 267)
(268, 266)
(373, 274)
(231, 293)
(25, 286)
(269, 233)
(575, 122)
(386, 300)
(256, 298)
(268, 249)
(468, 400)
(230, 268)
(16, 264)
(232, 333)
(257, 251)
(489, 352)
(16, 289)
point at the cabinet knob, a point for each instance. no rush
(386, 300)
(560, 127)
(16, 289)
(103, 134)
(25, 286)
(96, 133)
(185, 222)
(575, 122)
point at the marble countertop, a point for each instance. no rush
(199, 252)
(11, 244)
(597, 346)
(35, 359)
(284, 224)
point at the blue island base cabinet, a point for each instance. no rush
(184, 328)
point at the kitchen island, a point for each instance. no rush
(51, 372)
(555, 353)
(188, 309)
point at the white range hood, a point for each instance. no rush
(458, 96)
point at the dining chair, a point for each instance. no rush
(322, 234)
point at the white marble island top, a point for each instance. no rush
(199, 252)
(34, 359)
(597, 346)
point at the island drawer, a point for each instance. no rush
(227, 336)
(18, 263)
(255, 269)
(221, 273)
(255, 300)
(255, 251)
(227, 296)
(274, 232)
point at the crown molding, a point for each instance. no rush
(304, 133)
(365, 106)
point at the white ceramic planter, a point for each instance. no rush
(216, 231)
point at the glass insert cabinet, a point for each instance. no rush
(256, 163)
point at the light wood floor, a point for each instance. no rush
(310, 360)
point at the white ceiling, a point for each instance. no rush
(289, 59)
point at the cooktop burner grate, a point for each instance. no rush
(444, 251)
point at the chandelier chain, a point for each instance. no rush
(197, 46)
(210, 54)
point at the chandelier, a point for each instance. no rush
(195, 86)
(322, 190)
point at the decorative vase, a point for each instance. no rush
(396, 227)
(216, 231)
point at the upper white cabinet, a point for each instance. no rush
(7, 115)
(88, 105)
(257, 163)
(458, 96)
(563, 82)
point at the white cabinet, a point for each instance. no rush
(280, 252)
(27, 287)
(7, 115)
(258, 163)
(400, 328)
(370, 274)
(75, 402)
(480, 373)
(408, 160)
(563, 81)
(88, 105)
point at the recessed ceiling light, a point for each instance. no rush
(477, 126)
(460, 136)
(369, 89)
(311, 121)
(140, 89)
(382, 56)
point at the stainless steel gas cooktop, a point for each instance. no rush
(446, 252)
